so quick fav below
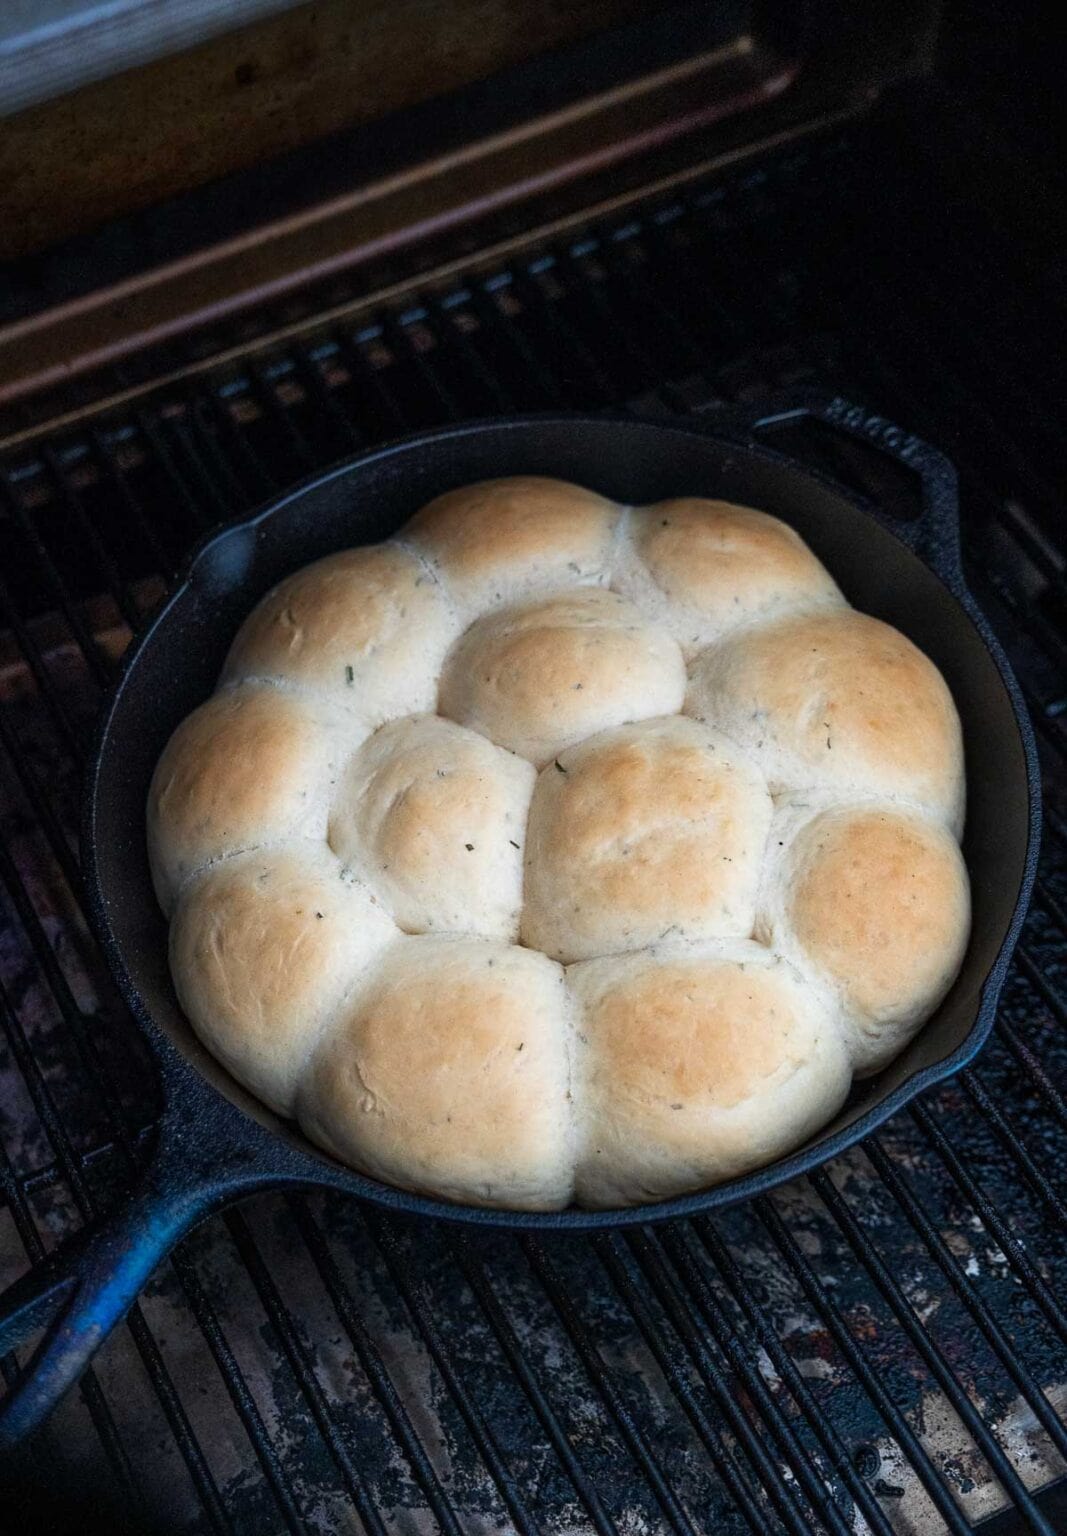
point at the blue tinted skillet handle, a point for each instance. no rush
(207, 1155)
(934, 533)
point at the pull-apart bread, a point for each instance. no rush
(556, 851)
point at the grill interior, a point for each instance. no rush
(879, 1347)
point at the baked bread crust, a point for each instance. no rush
(562, 850)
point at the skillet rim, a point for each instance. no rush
(287, 1155)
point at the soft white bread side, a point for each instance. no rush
(702, 568)
(263, 948)
(699, 1064)
(450, 1074)
(540, 678)
(367, 628)
(838, 701)
(875, 899)
(646, 831)
(433, 816)
(502, 541)
(253, 764)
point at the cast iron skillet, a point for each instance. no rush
(216, 1142)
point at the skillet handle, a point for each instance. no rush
(934, 534)
(88, 1284)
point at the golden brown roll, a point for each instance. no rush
(641, 833)
(698, 1064)
(264, 947)
(502, 541)
(702, 568)
(253, 764)
(367, 629)
(451, 1072)
(836, 701)
(539, 678)
(433, 816)
(874, 898)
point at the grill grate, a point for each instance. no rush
(877, 1348)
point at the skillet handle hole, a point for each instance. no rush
(864, 468)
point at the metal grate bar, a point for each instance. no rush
(935, 1363)
(481, 383)
(609, 1251)
(371, 1362)
(568, 347)
(189, 502)
(384, 415)
(643, 297)
(291, 434)
(240, 1396)
(894, 1419)
(993, 1221)
(607, 1389)
(1026, 1058)
(215, 412)
(57, 839)
(422, 1314)
(505, 1336)
(211, 491)
(99, 554)
(104, 458)
(441, 399)
(96, 660)
(1052, 1000)
(300, 1363)
(834, 1448)
(676, 1244)
(954, 1273)
(493, 303)
(1013, 1144)
(59, 987)
(668, 1294)
(146, 1345)
(311, 374)
(89, 1386)
(63, 726)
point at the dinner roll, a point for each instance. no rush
(367, 628)
(450, 1073)
(699, 1063)
(253, 764)
(503, 540)
(263, 948)
(434, 816)
(642, 832)
(836, 700)
(876, 899)
(701, 568)
(541, 677)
